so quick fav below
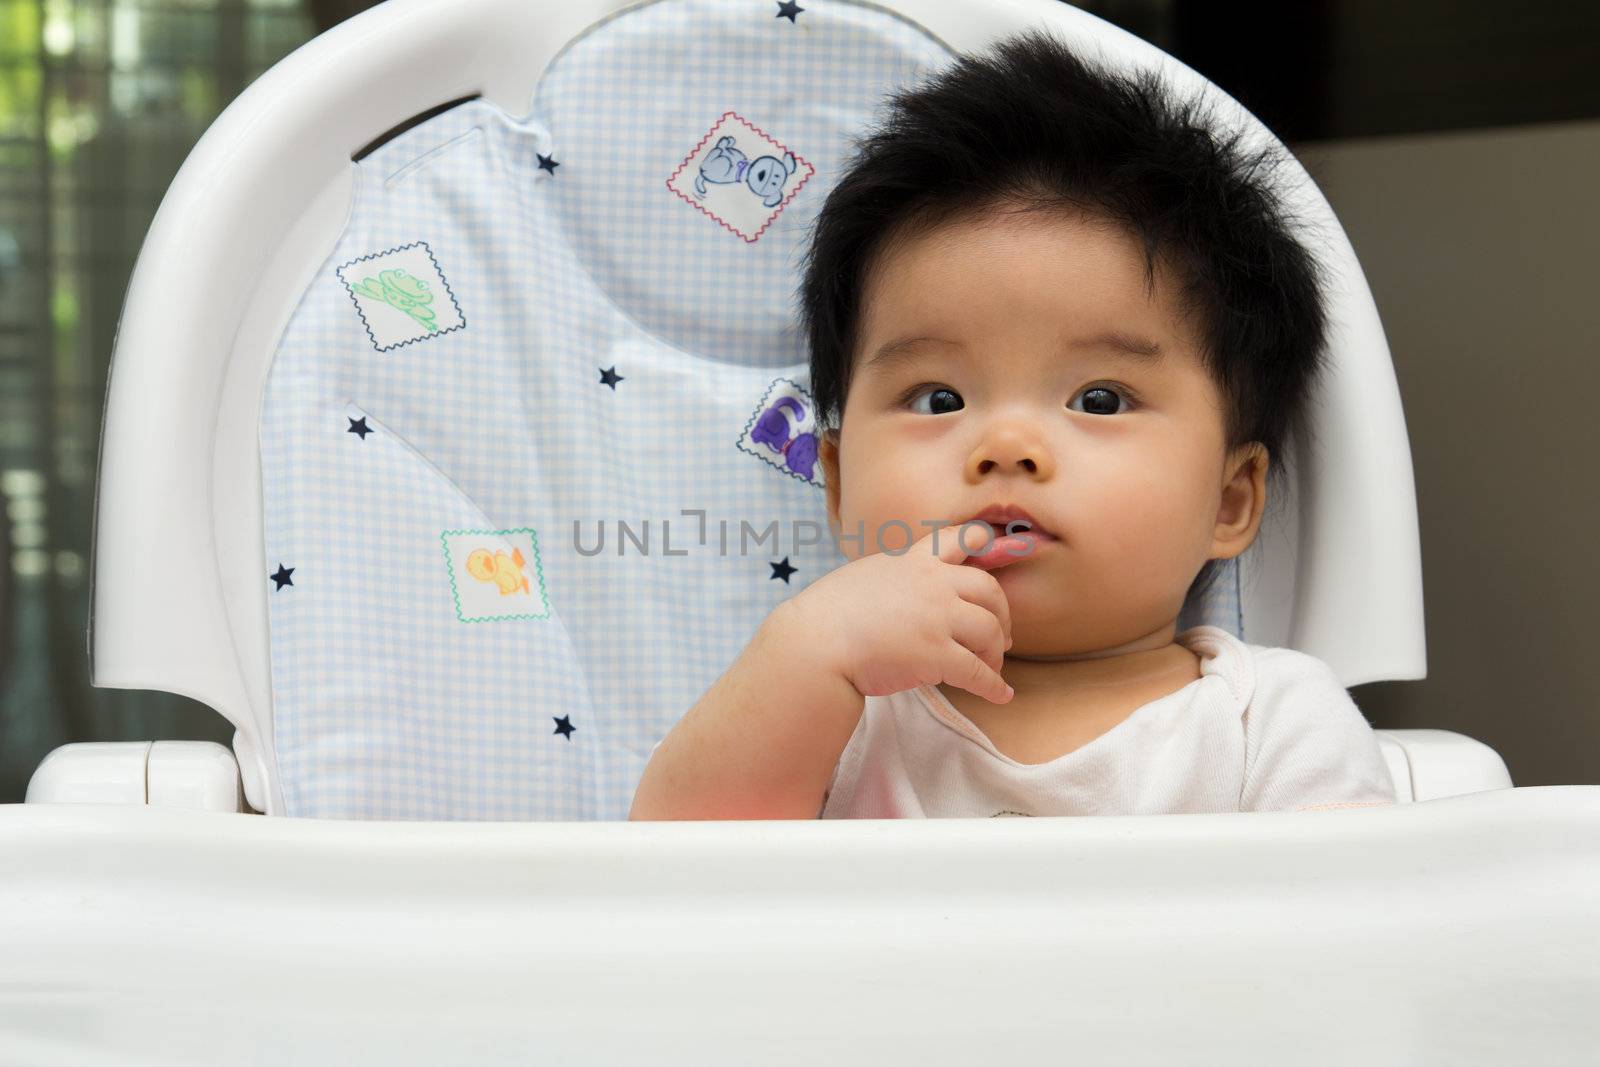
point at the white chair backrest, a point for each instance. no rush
(263, 212)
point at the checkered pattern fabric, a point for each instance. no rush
(538, 336)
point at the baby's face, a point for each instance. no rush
(1006, 392)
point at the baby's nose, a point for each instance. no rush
(1027, 463)
(1010, 448)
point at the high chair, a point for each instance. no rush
(455, 291)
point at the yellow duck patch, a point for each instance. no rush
(500, 569)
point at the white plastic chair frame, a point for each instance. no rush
(1458, 931)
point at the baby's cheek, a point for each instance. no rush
(888, 517)
(1145, 533)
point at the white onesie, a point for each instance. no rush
(1262, 729)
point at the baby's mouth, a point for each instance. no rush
(1007, 548)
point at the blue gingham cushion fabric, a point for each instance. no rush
(537, 444)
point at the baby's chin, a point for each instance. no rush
(1037, 600)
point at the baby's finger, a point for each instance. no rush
(980, 587)
(949, 540)
(977, 628)
(964, 668)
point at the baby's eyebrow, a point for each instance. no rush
(896, 352)
(1138, 347)
(904, 349)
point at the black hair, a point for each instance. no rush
(1033, 125)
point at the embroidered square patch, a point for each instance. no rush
(783, 432)
(401, 295)
(495, 574)
(740, 176)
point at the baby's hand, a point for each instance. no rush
(889, 623)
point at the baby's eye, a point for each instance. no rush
(939, 407)
(1102, 399)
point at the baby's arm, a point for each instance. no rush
(1308, 745)
(763, 741)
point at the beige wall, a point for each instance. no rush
(1483, 252)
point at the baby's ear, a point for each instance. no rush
(828, 450)
(1244, 501)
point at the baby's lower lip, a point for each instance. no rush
(1009, 548)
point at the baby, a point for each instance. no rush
(1058, 333)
